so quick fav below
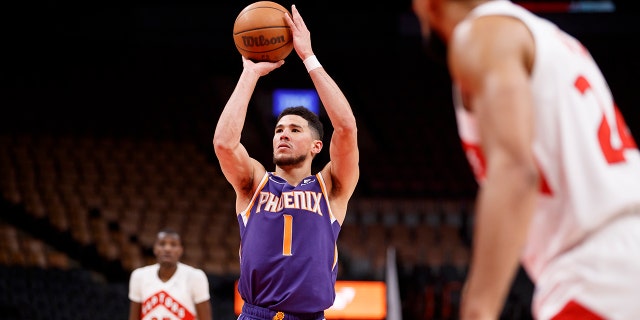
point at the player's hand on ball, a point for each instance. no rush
(261, 68)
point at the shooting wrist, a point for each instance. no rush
(311, 63)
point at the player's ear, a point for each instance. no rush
(180, 250)
(317, 146)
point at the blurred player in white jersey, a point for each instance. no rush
(169, 289)
(558, 169)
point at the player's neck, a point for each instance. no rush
(167, 271)
(293, 175)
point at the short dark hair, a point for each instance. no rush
(169, 231)
(312, 118)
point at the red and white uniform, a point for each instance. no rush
(171, 300)
(584, 240)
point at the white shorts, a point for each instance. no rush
(602, 274)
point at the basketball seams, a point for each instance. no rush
(265, 7)
(249, 51)
(272, 5)
(242, 15)
(261, 28)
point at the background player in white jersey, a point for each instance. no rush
(558, 169)
(169, 289)
(289, 218)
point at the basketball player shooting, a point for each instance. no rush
(289, 218)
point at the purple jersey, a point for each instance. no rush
(288, 255)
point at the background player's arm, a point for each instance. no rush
(199, 285)
(203, 310)
(237, 166)
(134, 310)
(342, 171)
(134, 294)
(490, 60)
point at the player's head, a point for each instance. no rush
(439, 17)
(298, 134)
(422, 9)
(168, 246)
(429, 14)
(312, 119)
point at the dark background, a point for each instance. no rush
(164, 69)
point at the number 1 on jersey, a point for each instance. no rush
(287, 234)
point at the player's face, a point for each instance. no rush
(168, 248)
(292, 141)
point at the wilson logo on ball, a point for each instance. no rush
(262, 41)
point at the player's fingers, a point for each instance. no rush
(267, 67)
(287, 17)
(297, 18)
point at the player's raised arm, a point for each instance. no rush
(342, 170)
(236, 164)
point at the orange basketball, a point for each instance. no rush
(261, 33)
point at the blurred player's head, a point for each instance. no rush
(168, 247)
(437, 18)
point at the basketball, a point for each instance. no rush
(261, 33)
